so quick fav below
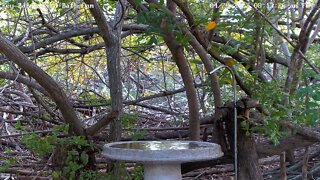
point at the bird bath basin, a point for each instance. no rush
(162, 159)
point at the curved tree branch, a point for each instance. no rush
(24, 80)
(46, 81)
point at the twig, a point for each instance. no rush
(283, 168)
(23, 134)
(293, 167)
(312, 173)
(305, 164)
(164, 129)
(199, 175)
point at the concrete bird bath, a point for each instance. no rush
(162, 159)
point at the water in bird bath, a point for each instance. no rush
(160, 145)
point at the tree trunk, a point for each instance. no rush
(248, 165)
(111, 34)
(181, 61)
(114, 72)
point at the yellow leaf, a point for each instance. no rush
(228, 81)
(230, 62)
(211, 25)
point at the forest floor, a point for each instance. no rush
(26, 165)
(270, 168)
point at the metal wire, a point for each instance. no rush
(235, 117)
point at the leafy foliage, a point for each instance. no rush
(271, 98)
(41, 146)
(75, 160)
(309, 110)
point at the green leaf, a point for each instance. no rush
(19, 126)
(84, 158)
(153, 40)
(138, 1)
(154, 6)
(196, 61)
(65, 1)
(312, 104)
(216, 49)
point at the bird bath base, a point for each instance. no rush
(162, 159)
(162, 171)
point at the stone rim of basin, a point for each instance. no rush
(197, 151)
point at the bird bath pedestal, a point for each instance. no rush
(162, 159)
